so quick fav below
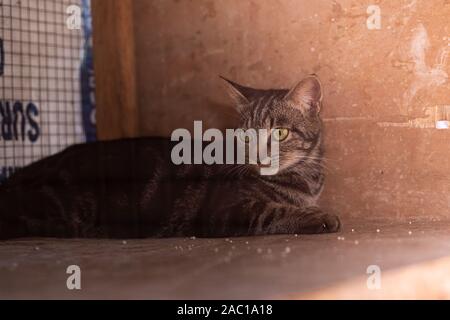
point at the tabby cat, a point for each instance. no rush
(130, 188)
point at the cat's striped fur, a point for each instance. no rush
(130, 188)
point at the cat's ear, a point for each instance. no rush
(307, 94)
(239, 94)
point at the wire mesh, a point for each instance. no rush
(41, 52)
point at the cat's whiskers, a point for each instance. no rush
(234, 170)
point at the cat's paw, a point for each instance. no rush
(320, 222)
(331, 223)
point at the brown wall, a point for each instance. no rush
(382, 87)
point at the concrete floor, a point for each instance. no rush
(256, 268)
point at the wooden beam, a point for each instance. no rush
(114, 67)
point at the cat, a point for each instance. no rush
(130, 188)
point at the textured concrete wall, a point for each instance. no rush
(384, 88)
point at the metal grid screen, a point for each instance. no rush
(44, 67)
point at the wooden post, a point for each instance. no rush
(114, 66)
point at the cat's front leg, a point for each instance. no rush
(260, 218)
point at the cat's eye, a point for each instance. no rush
(280, 134)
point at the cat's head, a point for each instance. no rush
(292, 116)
